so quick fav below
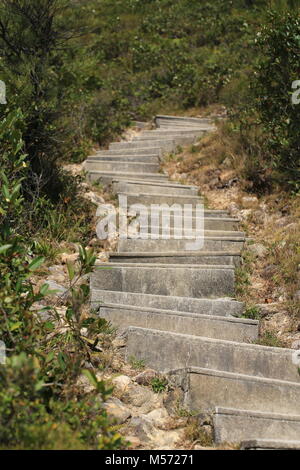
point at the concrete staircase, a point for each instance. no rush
(178, 306)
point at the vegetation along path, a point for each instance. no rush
(178, 306)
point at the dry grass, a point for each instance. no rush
(196, 434)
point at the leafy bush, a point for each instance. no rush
(276, 71)
(40, 404)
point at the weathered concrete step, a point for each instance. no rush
(206, 389)
(172, 126)
(233, 425)
(166, 145)
(212, 213)
(232, 329)
(121, 166)
(124, 158)
(212, 221)
(194, 132)
(207, 233)
(144, 151)
(265, 444)
(219, 307)
(182, 120)
(163, 198)
(167, 351)
(178, 138)
(159, 246)
(182, 281)
(193, 257)
(134, 187)
(108, 176)
(181, 129)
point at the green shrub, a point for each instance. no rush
(276, 71)
(40, 404)
(159, 384)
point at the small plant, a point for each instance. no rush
(98, 186)
(194, 149)
(196, 434)
(269, 338)
(252, 312)
(171, 157)
(137, 364)
(159, 384)
(47, 249)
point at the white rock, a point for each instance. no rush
(94, 198)
(117, 410)
(158, 416)
(143, 428)
(121, 382)
(296, 344)
(258, 250)
(142, 397)
(69, 258)
(249, 201)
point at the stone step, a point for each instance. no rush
(142, 124)
(233, 244)
(220, 307)
(154, 198)
(182, 120)
(265, 444)
(128, 158)
(207, 233)
(232, 329)
(108, 176)
(134, 187)
(178, 280)
(130, 151)
(167, 351)
(123, 166)
(179, 138)
(215, 222)
(181, 129)
(195, 132)
(163, 144)
(212, 213)
(193, 257)
(206, 388)
(234, 425)
(216, 215)
(165, 125)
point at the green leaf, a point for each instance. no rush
(44, 289)
(15, 326)
(91, 377)
(39, 385)
(4, 248)
(62, 360)
(69, 313)
(50, 357)
(71, 270)
(36, 263)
